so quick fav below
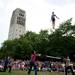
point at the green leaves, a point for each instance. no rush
(60, 42)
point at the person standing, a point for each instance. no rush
(53, 16)
(33, 62)
(9, 63)
(5, 64)
(68, 66)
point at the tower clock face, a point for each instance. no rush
(21, 20)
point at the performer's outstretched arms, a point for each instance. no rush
(57, 17)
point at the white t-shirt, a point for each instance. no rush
(67, 62)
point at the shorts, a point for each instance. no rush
(53, 19)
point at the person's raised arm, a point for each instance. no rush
(38, 54)
(56, 17)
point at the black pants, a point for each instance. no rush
(32, 64)
(66, 70)
(7, 67)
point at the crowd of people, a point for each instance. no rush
(28, 65)
(41, 65)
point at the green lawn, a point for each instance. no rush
(32, 73)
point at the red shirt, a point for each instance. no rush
(33, 57)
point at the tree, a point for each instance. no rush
(60, 42)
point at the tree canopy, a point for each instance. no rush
(60, 42)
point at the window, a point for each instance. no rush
(20, 14)
(16, 29)
(20, 21)
(20, 31)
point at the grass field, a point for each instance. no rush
(32, 73)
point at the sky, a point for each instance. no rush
(38, 14)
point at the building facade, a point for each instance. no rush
(17, 24)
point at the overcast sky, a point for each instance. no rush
(38, 13)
